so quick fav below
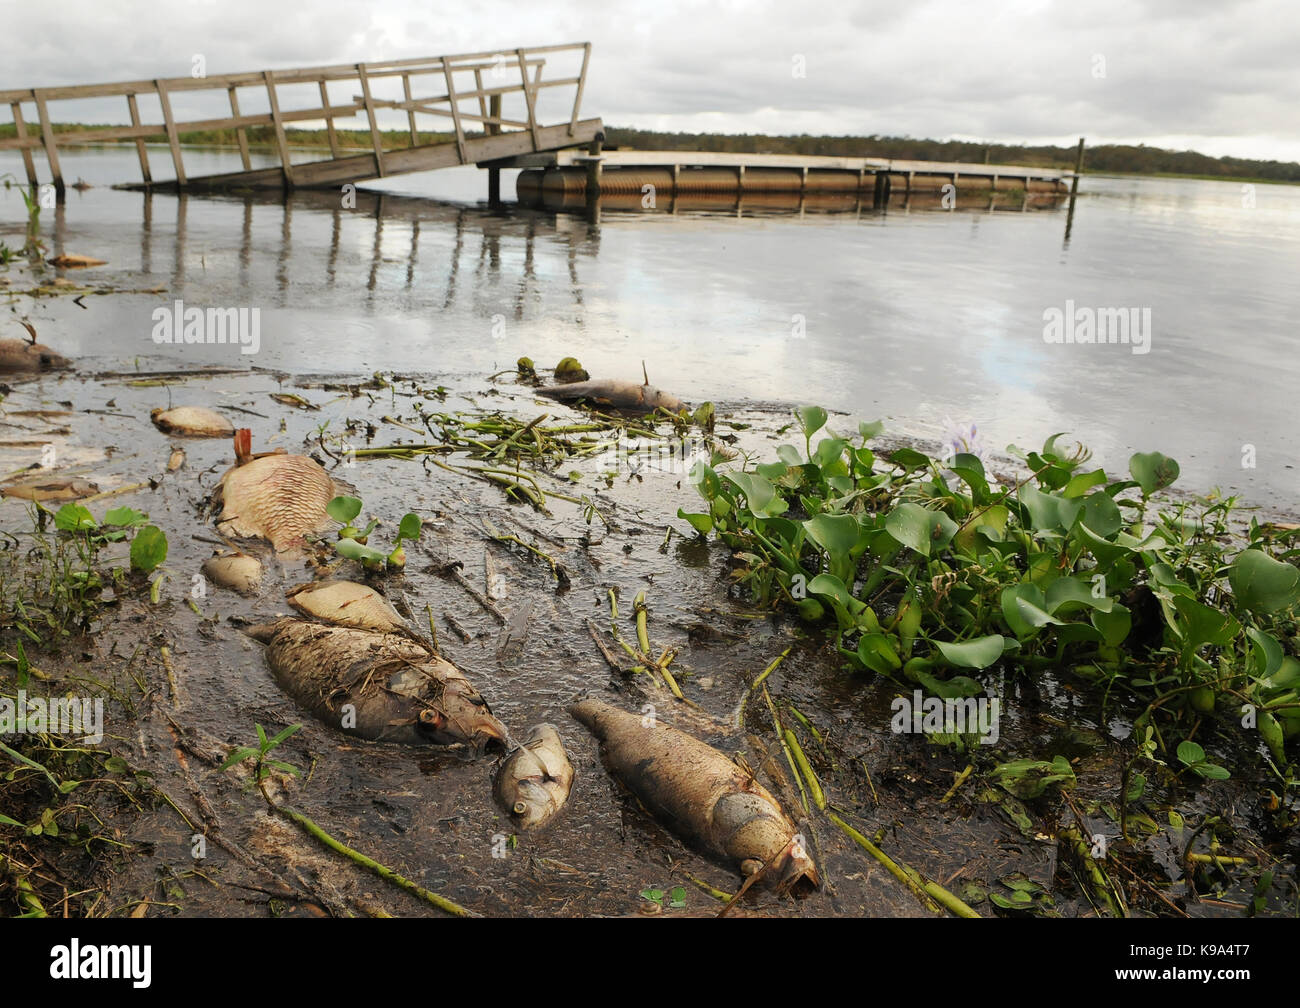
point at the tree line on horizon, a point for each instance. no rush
(1119, 158)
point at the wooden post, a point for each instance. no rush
(280, 140)
(329, 120)
(142, 152)
(375, 139)
(240, 133)
(803, 185)
(455, 110)
(172, 139)
(492, 129)
(1074, 191)
(410, 113)
(482, 101)
(20, 130)
(47, 138)
(582, 81)
(528, 97)
(594, 169)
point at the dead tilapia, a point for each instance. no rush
(346, 603)
(608, 393)
(535, 779)
(23, 357)
(272, 496)
(377, 686)
(191, 421)
(699, 793)
(237, 571)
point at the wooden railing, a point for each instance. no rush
(519, 72)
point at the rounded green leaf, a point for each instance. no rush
(343, 509)
(75, 518)
(1153, 471)
(811, 419)
(919, 528)
(410, 527)
(977, 654)
(148, 549)
(1263, 584)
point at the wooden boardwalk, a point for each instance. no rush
(494, 116)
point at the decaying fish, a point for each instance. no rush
(608, 393)
(377, 686)
(535, 779)
(699, 793)
(236, 571)
(71, 260)
(52, 488)
(346, 603)
(22, 357)
(191, 421)
(272, 496)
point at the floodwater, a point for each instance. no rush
(916, 315)
(450, 292)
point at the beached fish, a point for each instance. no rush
(346, 603)
(50, 488)
(23, 357)
(272, 496)
(608, 393)
(699, 793)
(192, 421)
(535, 780)
(236, 571)
(377, 686)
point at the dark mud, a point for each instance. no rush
(430, 813)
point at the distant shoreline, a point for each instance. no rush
(1102, 160)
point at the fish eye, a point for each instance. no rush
(521, 807)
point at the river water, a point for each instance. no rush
(920, 316)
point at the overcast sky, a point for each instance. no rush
(1211, 75)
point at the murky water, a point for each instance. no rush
(915, 315)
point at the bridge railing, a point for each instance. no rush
(437, 87)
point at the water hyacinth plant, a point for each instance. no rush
(931, 579)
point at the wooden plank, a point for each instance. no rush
(582, 81)
(20, 130)
(482, 99)
(375, 139)
(410, 112)
(172, 138)
(329, 120)
(142, 152)
(528, 98)
(455, 112)
(48, 138)
(240, 135)
(281, 141)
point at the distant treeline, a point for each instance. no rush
(1119, 158)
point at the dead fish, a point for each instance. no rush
(346, 603)
(23, 356)
(191, 421)
(272, 496)
(699, 793)
(535, 780)
(237, 571)
(176, 460)
(50, 489)
(70, 260)
(617, 395)
(377, 686)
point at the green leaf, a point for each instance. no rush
(1114, 625)
(919, 528)
(75, 518)
(789, 454)
(871, 430)
(1071, 591)
(702, 523)
(1211, 771)
(1189, 752)
(760, 495)
(877, 653)
(1081, 484)
(970, 470)
(125, 516)
(410, 527)
(1200, 624)
(836, 534)
(1262, 584)
(238, 756)
(148, 549)
(988, 525)
(350, 549)
(811, 419)
(1024, 607)
(1153, 471)
(280, 736)
(677, 898)
(653, 895)
(981, 652)
(1101, 514)
(1048, 512)
(343, 508)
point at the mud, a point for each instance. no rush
(432, 814)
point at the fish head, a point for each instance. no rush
(535, 779)
(534, 802)
(460, 715)
(751, 827)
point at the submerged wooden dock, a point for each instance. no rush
(497, 115)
